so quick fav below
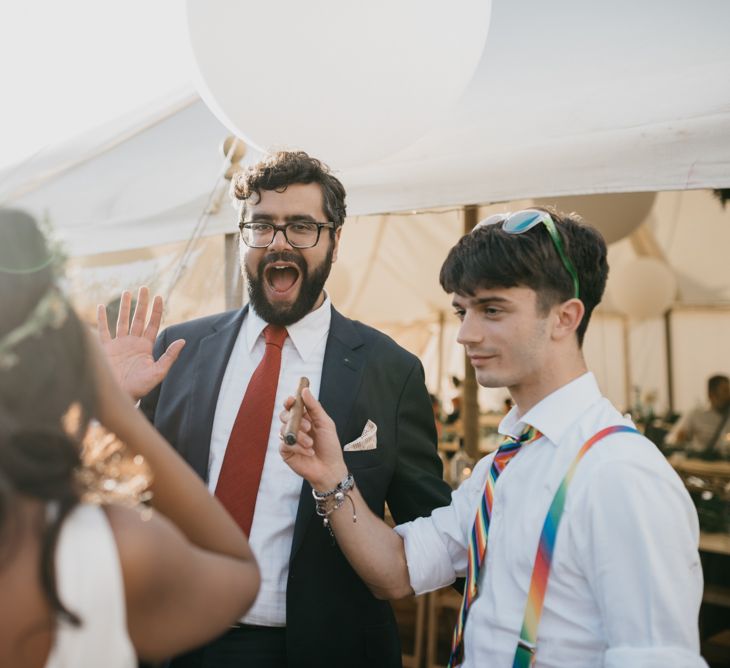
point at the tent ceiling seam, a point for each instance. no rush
(107, 146)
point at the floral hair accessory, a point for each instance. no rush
(51, 311)
(56, 252)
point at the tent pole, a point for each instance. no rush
(670, 367)
(233, 279)
(627, 361)
(440, 359)
(470, 407)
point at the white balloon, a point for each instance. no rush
(349, 82)
(643, 288)
(615, 215)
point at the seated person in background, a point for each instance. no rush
(705, 432)
(85, 585)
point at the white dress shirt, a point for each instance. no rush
(278, 497)
(625, 585)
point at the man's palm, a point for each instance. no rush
(130, 352)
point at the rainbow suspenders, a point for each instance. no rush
(526, 646)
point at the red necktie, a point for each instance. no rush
(238, 484)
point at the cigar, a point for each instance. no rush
(292, 427)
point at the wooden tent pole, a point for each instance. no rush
(440, 359)
(626, 330)
(670, 362)
(470, 406)
(232, 273)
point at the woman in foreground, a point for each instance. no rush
(88, 585)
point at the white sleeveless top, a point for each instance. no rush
(89, 580)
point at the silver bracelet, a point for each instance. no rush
(325, 503)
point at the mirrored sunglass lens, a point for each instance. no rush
(522, 221)
(490, 220)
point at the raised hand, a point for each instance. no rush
(317, 455)
(129, 352)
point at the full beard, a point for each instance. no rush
(310, 289)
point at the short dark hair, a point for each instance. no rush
(714, 383)
(284, 168)
(488, 257)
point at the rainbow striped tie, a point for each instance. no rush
(479, 533)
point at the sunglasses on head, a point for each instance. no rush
(522, 221)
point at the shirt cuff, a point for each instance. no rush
(429, 564)
(653, 657)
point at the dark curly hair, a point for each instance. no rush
(284, 168)
(40, 447)
(488, 257)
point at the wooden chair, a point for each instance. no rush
(415, 660)
(443, 599)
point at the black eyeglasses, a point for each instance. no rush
(298, 235)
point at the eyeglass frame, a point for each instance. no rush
(283, 229)
(546, 219)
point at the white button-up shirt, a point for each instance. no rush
(272, 530)
(625, 586)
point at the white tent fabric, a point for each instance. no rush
(576, 97)
(569, 97)
(143, 181)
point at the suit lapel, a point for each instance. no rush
(342, 371)
(210, 366)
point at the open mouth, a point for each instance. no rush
(281, 277)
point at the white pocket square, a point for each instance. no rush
(367, 440)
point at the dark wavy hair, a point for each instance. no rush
(284, 168)
(40, 447)
(488, 257)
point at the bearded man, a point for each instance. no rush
(217, 406)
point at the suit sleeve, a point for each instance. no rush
(148, 403)
(417, 487)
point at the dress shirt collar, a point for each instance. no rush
(304, 334)
(554, 414)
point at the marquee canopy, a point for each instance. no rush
(569, 98)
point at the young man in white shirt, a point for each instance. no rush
(624, 586)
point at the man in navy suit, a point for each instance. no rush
(313, 610)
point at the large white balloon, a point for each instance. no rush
(349, 82)
(615, 215)
(643, 288)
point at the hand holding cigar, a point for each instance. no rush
(292, 426)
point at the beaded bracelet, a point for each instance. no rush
(326, 503)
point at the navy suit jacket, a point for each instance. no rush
(332, 617)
